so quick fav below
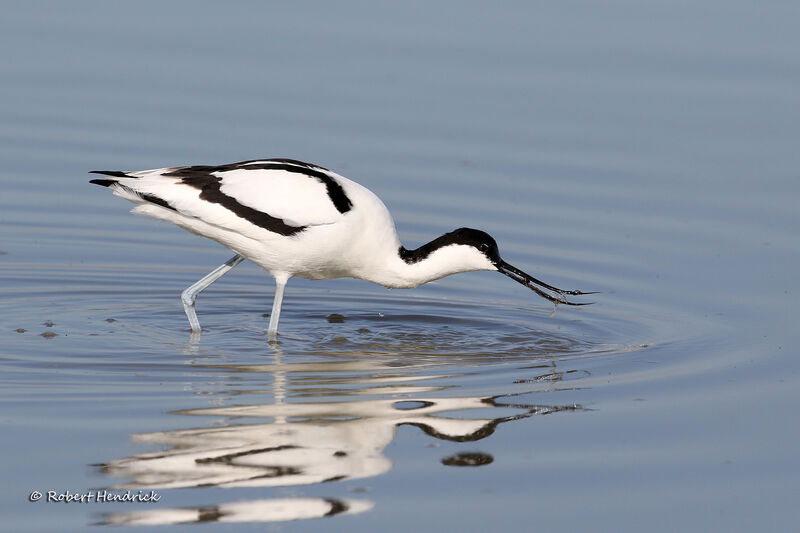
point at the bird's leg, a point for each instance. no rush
(280, 284)
(190, 295)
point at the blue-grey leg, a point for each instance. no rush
(190, 295)
(280, 284)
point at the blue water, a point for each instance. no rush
(646, 150)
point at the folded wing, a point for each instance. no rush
(280, 196)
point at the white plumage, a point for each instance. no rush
(298, 219)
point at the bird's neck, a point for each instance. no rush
(411, 268)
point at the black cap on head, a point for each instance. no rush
(485, 243)
(480, 240)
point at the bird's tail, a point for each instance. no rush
(127, 189)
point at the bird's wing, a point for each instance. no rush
(282, 196)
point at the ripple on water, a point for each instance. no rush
(322, 404)
(139, 313)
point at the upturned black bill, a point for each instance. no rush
(529, 281)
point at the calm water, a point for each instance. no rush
(647, 150)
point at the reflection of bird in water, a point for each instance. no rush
(325, 442)
(308, 442)
(328, 441)
(275, 510)
(298, 219)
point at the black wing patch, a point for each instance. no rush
(201, 177)
(334, 189)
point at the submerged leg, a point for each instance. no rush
(190, 295)
(280, 284)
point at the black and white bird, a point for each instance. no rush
(298, 219)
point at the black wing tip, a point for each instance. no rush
(113, 173)
(107, 182)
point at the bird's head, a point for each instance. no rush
(477, 250)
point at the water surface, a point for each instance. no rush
(644, 150)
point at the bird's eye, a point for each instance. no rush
(483, 247)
